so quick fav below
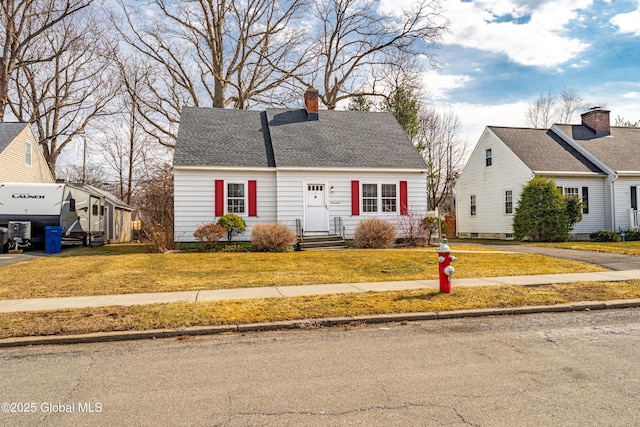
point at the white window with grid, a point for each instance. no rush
(235, 198)
(370, 198)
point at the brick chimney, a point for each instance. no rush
(311, 103)
(597, 120)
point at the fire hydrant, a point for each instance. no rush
(444, 266)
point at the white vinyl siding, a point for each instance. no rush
(194, 199)
(194, 196)
(291, 197)
(488, 184)
(622, 197)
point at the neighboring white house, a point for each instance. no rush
(317, 171)
(594, 161)
(21, 159)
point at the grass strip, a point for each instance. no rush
(183, 315)
(627, 248)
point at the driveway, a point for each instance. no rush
(8, 259)
(616, 262)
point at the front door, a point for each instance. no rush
(316, 212)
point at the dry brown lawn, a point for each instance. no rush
(122, 269)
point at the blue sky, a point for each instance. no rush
(502, 54)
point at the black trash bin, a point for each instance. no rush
(52, 239)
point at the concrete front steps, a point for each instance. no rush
(323, 242)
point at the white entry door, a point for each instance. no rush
(316, 212)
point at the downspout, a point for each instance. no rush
(613, 200)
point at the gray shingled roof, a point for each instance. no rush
(8, 132)
(341, 139)
(285, 138)
(620, 150)
(542, 150)
(221, 137)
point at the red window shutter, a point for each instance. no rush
(404, 207)
(253, 199)
(355, 198)
(219, 197)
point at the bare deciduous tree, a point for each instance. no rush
(216, 53)
(552, 108)
(570, 102)
(540, 114)
(439, 141)
(622, 122)
(24, 25)
(63, 96)
(125, 145)
(356, 38)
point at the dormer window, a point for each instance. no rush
(488, 157)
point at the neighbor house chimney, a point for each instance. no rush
(597, 120)
(311, 103)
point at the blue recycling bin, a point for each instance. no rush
(52, 239)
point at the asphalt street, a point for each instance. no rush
(563, 369)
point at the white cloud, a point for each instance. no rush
(631, 95)
(581, 63)
(628, 22)
(539, 42)
(438, 84)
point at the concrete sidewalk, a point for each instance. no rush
(37, 304)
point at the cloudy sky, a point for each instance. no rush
(502, 54)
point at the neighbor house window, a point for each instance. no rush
(235, 198)
(488, 157)
(379, 198)
(508, 202)
(575, 192)
(473, 204)
(570, 191)
(27, 153)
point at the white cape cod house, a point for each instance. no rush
(595, 161)
(319, 172)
